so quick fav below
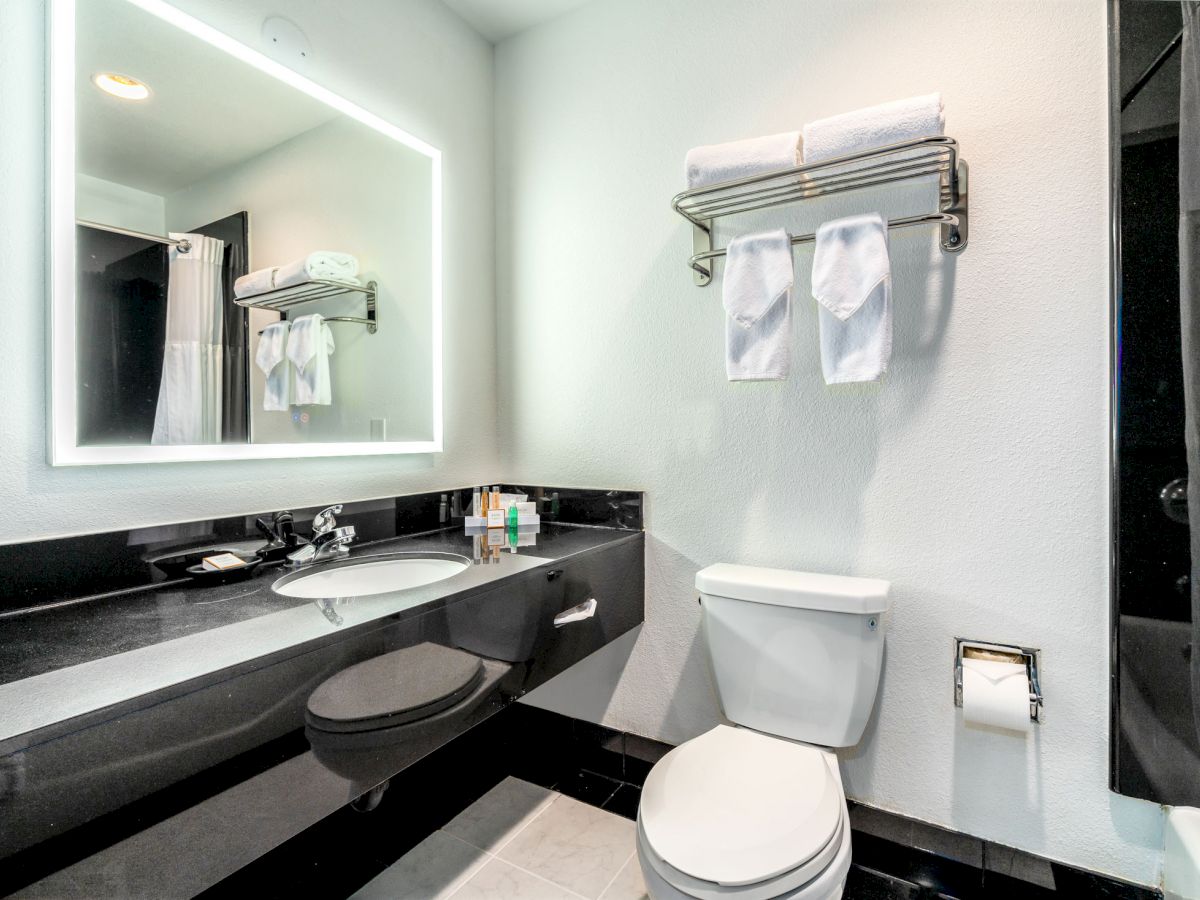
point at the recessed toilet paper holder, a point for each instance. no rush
(1001, 653)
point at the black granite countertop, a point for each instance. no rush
(57, 637)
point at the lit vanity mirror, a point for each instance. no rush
(184, 162)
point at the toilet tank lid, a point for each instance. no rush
(802, 590)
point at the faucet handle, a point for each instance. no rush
(324, 520)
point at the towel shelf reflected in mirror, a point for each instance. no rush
(187, 221)
(282, 299)
(905, 162)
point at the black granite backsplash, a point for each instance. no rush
(39, 572)
(582, 506)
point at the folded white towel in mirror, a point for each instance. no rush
(873, 127)
(257, 282)
(271, 360)
(309, 348)
(324, 264)
(738, 159)
(852, 282)
(756, 294)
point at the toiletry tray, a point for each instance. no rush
(481, 521)
(281, 299)
(892, 164)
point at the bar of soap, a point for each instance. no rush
(222, 562)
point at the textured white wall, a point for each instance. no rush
(110, 203)
(974, 478)
(411, 61)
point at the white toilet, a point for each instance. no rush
(757, 810)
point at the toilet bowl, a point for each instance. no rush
(756, 810)
(745, 815)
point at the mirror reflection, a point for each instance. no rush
(1156, 738)
(253, 265)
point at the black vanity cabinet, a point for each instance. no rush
(78, 786)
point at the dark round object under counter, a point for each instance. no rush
(396, 688)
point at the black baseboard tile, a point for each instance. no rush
(960, 866)
(641, 753)
(559, 745)
(625, 801)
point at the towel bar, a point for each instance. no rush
(281, 299)
(892, 164)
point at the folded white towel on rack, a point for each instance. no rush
(756, 294)
(309, 348)
(738, 159)
(257, 282)
(873, 127)
(271, 360)
(852, 283)
(324, 264)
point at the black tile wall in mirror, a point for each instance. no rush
(1155, 738)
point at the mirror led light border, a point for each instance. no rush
(61, 217)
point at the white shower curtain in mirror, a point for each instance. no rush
(1189, 300)
(189, 397)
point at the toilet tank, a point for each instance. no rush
(794, 654)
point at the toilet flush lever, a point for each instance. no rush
(584, 610)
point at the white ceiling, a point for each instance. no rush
(499, 19)
(207, 110)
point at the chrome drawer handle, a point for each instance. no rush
(584, 610)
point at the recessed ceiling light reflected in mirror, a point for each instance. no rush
(121, 86)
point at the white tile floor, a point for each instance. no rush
(523, 842)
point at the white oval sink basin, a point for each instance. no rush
(361, 579)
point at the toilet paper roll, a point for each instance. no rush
(996, 693)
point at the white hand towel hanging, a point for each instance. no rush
(852, 282)
(309, 348)
(757, 299)
(271, 359)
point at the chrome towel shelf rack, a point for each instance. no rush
(281, 299)
(894, 163)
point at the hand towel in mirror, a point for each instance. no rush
(271, 360)
(309, 348)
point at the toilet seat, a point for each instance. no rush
(828, 885)
(738, 813)
(394, 689)
(737, 807)
(788, 884)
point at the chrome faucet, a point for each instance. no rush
(329, 540)
(324, 520)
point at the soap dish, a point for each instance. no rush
(224, 576)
